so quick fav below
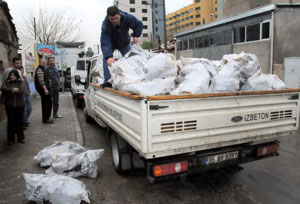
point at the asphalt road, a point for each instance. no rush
(274, 180)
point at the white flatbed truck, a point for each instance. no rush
(184, 134)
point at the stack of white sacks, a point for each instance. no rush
(65, 160)
(148, 74)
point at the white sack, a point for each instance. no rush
(161, 66)
(228, 79)
(247, 63)
(56, 189)
(150, 88)
(47, 155)
(75, 165)
(195, 76)
(263, 82)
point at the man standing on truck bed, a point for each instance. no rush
(114, 35)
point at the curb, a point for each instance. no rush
(78, 132)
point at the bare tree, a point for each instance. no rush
(50, 26)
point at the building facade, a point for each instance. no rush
(141, 10)
(262, 31)
(200, 12)
(158, 22)
(8, 43)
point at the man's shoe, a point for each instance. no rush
(22, 141)
(57, 116)
(10, 143)
(48, 122)
(26, 124)
(106, 84)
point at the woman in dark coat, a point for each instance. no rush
(13, 91)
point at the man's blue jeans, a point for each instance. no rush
(28, 108)
(123, 51)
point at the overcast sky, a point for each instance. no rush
(89, 12)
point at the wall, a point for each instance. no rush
(262, 49)
(233, 7)
(286, 34)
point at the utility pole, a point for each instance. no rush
(34, 28)
(165, 26)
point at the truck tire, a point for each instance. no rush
(121, 156)
(88, 118)
(79, 102)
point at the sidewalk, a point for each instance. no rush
(18, 158)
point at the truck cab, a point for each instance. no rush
(78, 77)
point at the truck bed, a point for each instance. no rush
(159, 126)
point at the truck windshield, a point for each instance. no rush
(80, 65)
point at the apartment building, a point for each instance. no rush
(142, 10)
(200, 12)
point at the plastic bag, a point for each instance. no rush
(75, 165)
(263, 82)
(56, 189)
(47, 155)
(150, 88)
(161, 66)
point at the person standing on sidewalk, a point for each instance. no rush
(42, 85)
(13, 90)
(17, 63)
(53, 74)
(115, 35)
(27, 97)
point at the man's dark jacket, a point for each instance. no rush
(117, 37)
(37, 84)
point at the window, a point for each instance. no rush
(191, 10)
(203, 21)
(216, 9)
(145, 27)
(198, 8)
(144, 2)
(191, 23)
(179, 46)
(187, 18)
(227, 37)
(239, 35)
(198, 23)
(182, 20)
(197, 1)
(198, 16)
(191, 17)
(145, 35)
(156, 29)
(185, 45)
(80, 65)
(144, 10)
(198, 42)
(132, 1)
(253, 32)
(156, 21)
(132, 10)
(205, 41)
(182, 14)
(191, 43)
(265, 30)
(144, 18)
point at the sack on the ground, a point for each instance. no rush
(263, 82)
(75, 165)
(47, 155)
(56, 189)
(150, 88)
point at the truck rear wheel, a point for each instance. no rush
(88, 118)
(121, 156)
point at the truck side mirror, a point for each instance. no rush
(77, 79)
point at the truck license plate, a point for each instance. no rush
(221, 157)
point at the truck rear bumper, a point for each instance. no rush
(159, 169)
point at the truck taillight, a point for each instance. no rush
(81, 96)
(171, 168)
(267, 150)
